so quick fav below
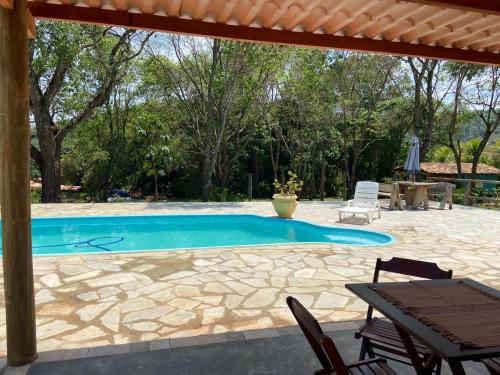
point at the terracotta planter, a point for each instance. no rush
(284, 205)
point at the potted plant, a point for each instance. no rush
(285, 200)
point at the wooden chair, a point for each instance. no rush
(493, 365)
(379, 335)
(327, 352)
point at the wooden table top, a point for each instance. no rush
(418, 184)
(428, 336)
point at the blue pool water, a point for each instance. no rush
(71, 235)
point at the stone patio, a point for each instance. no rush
(110, 299)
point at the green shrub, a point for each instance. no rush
(225, 195)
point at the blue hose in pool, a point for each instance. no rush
(89, 243)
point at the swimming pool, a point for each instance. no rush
(96, 234)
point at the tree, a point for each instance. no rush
(73, 70)
(359, 90)
(304, 130)
(156, 154)
(426, 78)
(247, 115)
(483, 97)
(455, 114)
(212, 82)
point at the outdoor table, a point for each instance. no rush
(418, 193)
(408, 325)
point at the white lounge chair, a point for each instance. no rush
(364, 203)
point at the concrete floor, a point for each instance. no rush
(284, 354)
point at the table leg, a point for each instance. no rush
(409, 198)
(456, 367)
(416, 361)
(416, 199)
(444, 200)
(425, 197)
(421, 197)
(392, 202)
(396, 198)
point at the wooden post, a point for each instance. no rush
(468, 190)
(250, 186)
(322, 176)
(344, 188)
(14, 186)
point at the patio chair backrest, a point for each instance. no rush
(411, 267)
(408, 267)
(366, 194)
(322, 345)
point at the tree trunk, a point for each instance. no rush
(352, 175)
(426, 142)
(344, 187)
(256, 172)
(346, 177)
(50, 168)
(458, 161)
(322, 176)
(312, 181)
(275, 159)
(156, 186)
(250, 186)
(417, 105)
(206, 180)
(225, 169)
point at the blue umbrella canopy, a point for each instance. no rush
(412, 164)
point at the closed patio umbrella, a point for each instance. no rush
(412, 164)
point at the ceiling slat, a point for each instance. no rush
(184, 26)
(482, 6)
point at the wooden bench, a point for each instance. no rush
(444, 192)
(384, 190)
(391, 191)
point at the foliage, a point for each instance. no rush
(495, 154)
(225, 195)
(470, 148)
(188, 118)
(442, 154)
(292, 186)
(73, 71)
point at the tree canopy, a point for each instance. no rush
(183, 117)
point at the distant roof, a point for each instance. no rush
(451, 168)
(37, 184)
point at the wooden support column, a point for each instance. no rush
(14, 186)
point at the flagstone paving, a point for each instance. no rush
(97, 300)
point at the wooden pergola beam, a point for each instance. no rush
(184, 26)
(15, 195)
(482, 6)
(30, 21)
(8, 4)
